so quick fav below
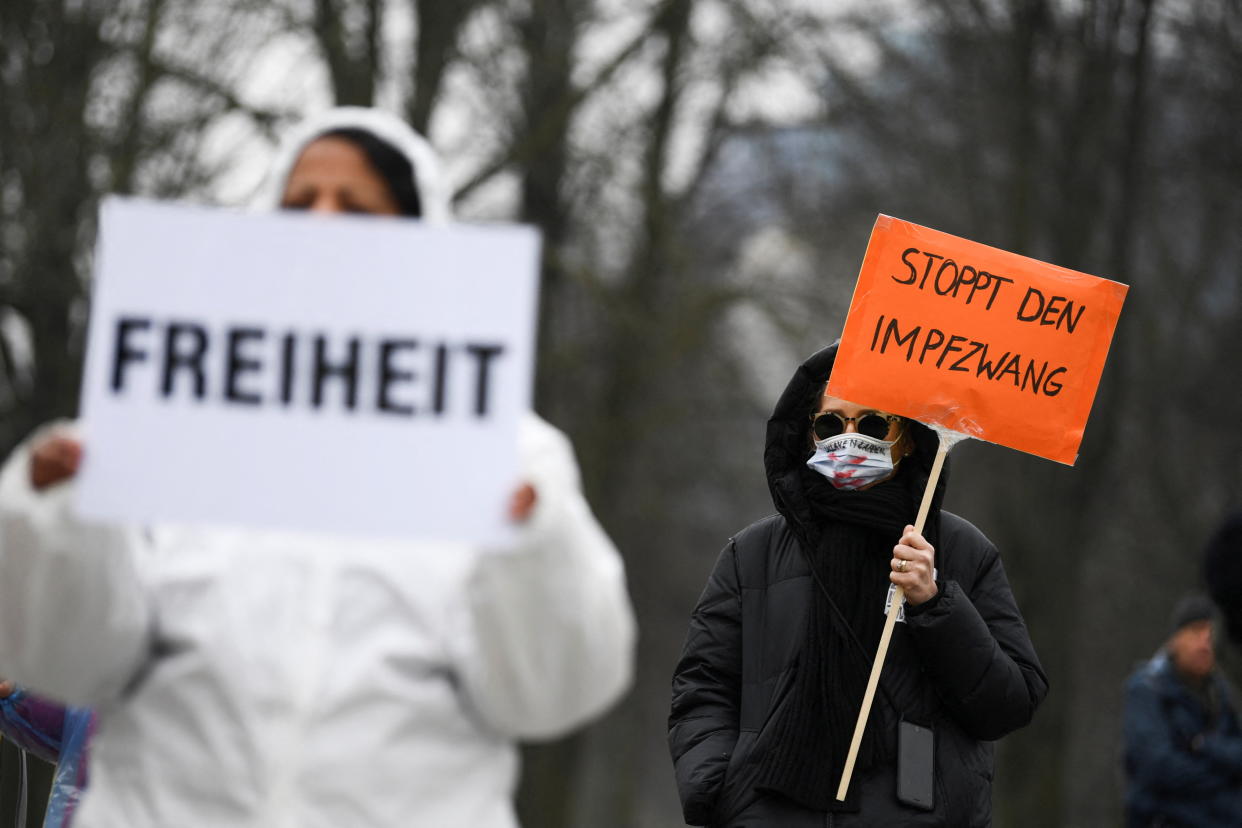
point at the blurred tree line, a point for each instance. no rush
(699, 241)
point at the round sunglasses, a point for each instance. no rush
(829, 424)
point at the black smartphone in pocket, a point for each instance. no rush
(916, 765)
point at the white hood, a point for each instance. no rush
(432, 192)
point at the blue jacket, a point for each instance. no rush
(1183, 765)
(56, 734)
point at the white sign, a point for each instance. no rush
(343, 374)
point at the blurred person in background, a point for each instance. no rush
(249, 678)
(1183, 746)
(780, 647)
(56, 734)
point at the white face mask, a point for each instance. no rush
(851, 460)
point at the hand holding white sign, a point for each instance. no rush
(54, 460)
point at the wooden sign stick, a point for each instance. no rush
(889, 622)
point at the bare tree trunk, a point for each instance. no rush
(353, 58)
(1089, 734)
(129, 147)
(45, 113)
(548, 35)
(439, 26)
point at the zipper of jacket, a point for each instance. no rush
(285, 799)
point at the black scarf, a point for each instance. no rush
(848, 537)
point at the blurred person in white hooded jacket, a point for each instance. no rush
(248, 678)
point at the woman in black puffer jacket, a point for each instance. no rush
(780, 646)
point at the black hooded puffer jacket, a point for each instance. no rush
(962, 662)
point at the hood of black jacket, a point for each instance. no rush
(789, 443)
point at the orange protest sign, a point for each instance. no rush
(982, 341)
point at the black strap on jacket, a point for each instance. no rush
(842, 624)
